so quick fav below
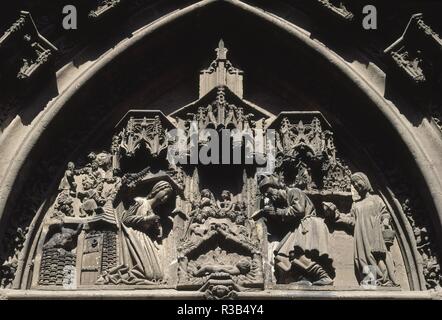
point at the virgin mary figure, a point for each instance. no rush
(140, 230)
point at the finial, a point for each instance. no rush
(221, 51)
(221, 73)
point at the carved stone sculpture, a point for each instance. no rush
(412, 52)
(306, 154)
(370, 221)
(64, 239)
(140, 230)
(305, 247)
(59, 257)
(68, 181)
(235, 261)
(104, 8)
(36, 51)
(222, 230)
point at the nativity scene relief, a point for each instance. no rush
(128, 217)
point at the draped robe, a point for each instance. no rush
(309, 234)
(366, 218)
(138, 248)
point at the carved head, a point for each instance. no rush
(270, 187)
(94, 165)
(103, 159)
(240, 219)
(206, 193)
(232, 215)
(220, 291)
(244, 266)
(226, 195)
(200, 218)
(361, 184)
(71, 166)
(92, 156)
(269, 181)
(161, 192)
(87, 183)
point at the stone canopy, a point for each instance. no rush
(345, 197)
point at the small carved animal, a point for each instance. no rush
(64, 239)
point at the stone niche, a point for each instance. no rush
(298, 216)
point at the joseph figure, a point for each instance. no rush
(304, 249)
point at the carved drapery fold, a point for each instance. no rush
(219, 241)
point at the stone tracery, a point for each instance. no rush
(90, 195)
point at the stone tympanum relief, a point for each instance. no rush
(132, 216)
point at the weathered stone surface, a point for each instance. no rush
(344, 202)
(24, 51)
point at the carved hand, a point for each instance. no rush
(152, 219)
(269, 210)
(257, 214)
(148, 221)
(180, 212)
(330, 209)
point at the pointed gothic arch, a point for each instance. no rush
(373, 105)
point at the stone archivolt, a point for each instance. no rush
(112, 225)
